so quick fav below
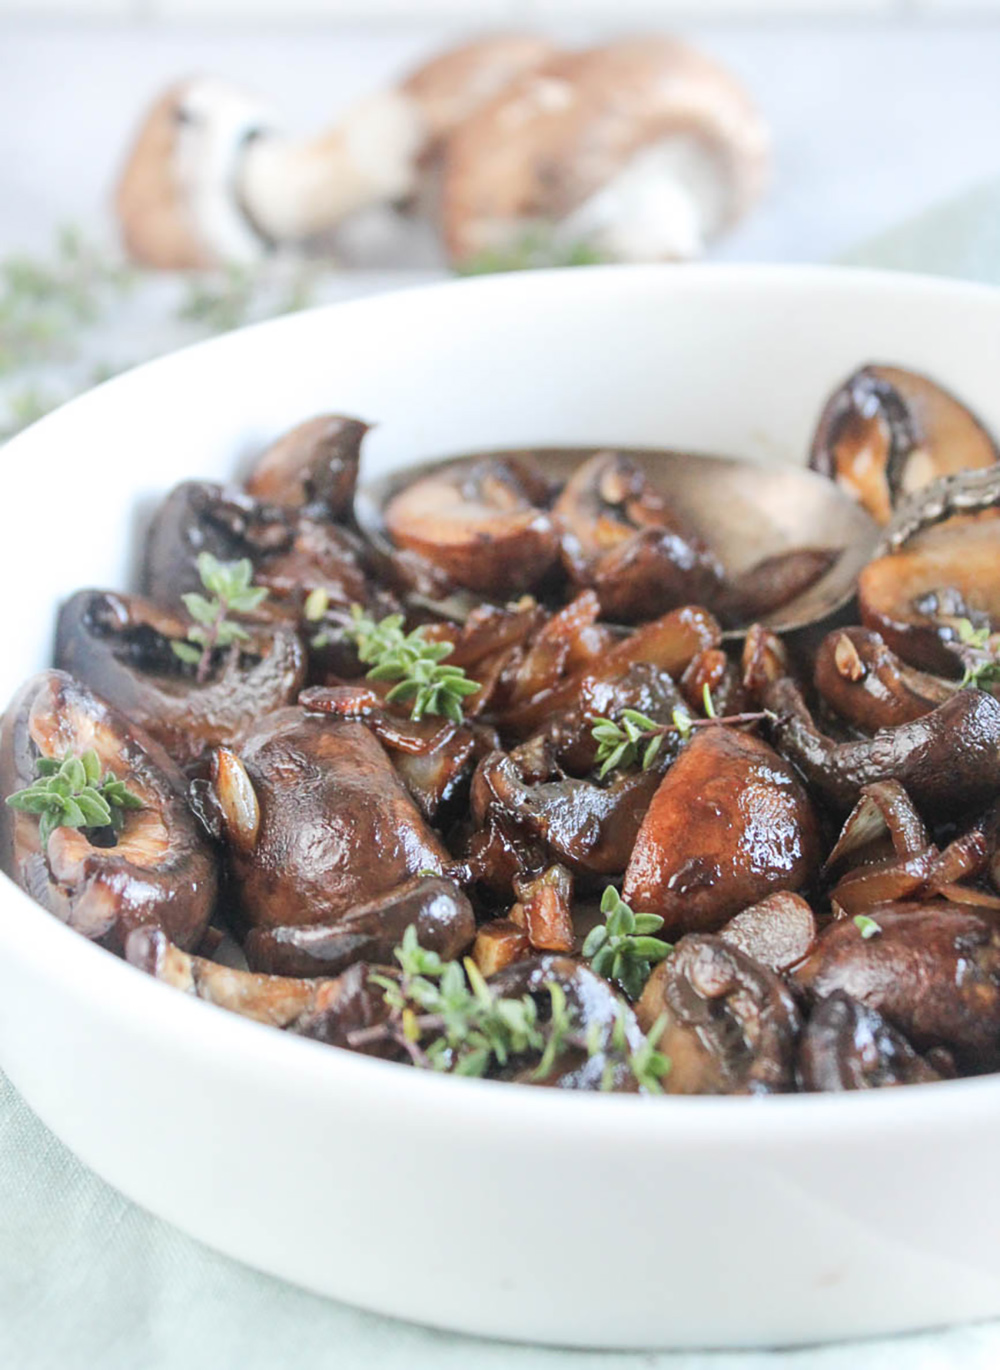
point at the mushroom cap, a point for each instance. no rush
(560, 133)
(175, 200)
(455, 84)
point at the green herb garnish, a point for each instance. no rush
(636, 738)
(71, 794)
(230, 583)
(983, 674)
(866, 926)
(622, 948)
(535, 249)
(413, 661)
(446, 1018)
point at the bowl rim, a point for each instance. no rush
(158, 1012)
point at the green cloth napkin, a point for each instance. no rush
(90, 1282)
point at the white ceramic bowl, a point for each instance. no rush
(522, 1213)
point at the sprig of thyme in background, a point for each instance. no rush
(230, 583)
(622, 948)
(71, 794)
(444, 1015)
(416, 663)
(982, 673)
(637, 739)
(534, 250)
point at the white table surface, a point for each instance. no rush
(872, 123)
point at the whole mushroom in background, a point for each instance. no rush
(639, 150)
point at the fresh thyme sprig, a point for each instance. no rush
(981, 673)
(71, 794)
(416, 663)
(622, 948)
(535, 249)
(638, 739)
(230, 583)
(446, 1018)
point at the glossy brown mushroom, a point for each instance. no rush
(480, 521)
(324, 1009)
(158, 870)
(598, 1014)
(436, 908)
(848, 1045)
(620, 537)
(336, 827)
(731, 1024)
(729, 824)
(121, 646)
(314, 465)
(887, 432)
(948, 761)
(869, 686)
(777, 933)
(932, 970)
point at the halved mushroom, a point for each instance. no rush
(932, 970)
(887, 432)
(731, 1024)
(157, 870)
(869, 686)
(121, 646)
(314, 466)
(592, 828)
(370, 931)
(479, 521)
(849, 1045)
(642, 149)
(325, 1009)
(777, 933)
(336, 825)
(619, 537)
(599, 1017)
(729, 824)
(948, 761)
(292, 552)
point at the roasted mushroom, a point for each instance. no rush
(437, 908)
(731, 1025)
(121, 646)
(313, 466)
(481, 522)
(335, 826)
(932, 970)
(887, 432)
(729, 824)
(157, 870)
(777, 933)
(948, 760)
(619, 537)
(847, 1045)
(869, 686)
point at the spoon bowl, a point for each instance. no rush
(745, 511)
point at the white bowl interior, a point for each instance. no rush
(870, 1212)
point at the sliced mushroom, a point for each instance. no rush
(731, 1024)
(643, 149)
(848, 1045)
(887, 432)
(729, 824)
(337, 828)
(158, 870)
(598, 1017)
(478, 521)
(370, 931)
(592, 828)
(314, 465)
(948, 761)
(121, 646)
(619, 537)
(777, 933)
(932, 970)
(869, 686)
(325, 1009)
